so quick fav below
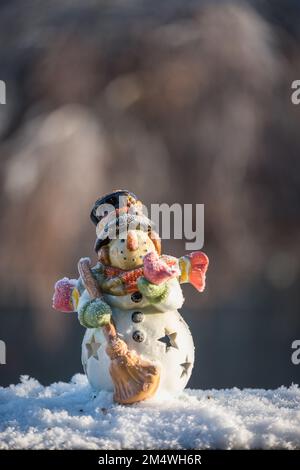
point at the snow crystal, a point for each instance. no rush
(72, 416)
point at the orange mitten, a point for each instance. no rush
(193, 269)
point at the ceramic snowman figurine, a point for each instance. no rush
(138, 292)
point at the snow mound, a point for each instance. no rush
(71, 416)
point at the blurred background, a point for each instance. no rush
(178, 101)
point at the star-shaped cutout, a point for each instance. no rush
(92, 348)
(169, 340)
(186, 365)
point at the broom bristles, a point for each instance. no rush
(134, 378)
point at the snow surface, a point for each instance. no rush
(70, 415)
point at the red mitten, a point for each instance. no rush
(65, 294)
(156, 269)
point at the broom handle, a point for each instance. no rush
(84, 268)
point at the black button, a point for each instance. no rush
(136, 297)
(137, 317)
(138, 336)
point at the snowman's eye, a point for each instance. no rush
(122, 240)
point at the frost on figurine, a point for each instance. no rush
(136, 343)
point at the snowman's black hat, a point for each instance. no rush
(111, 213)
(118, 199)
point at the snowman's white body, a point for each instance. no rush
(155, 331)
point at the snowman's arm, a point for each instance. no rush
(98, 274)
(173, 298)
(93, 313)
(166, 296)
(70, 295)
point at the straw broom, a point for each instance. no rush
(134, 378)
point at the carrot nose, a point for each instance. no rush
(132, 241)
